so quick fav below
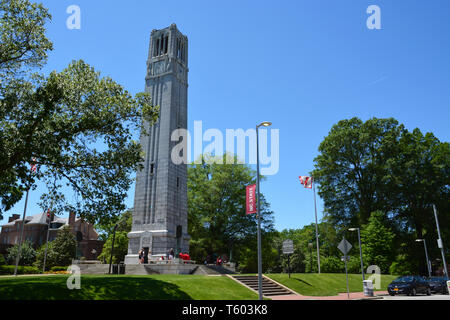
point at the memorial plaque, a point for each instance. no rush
(288, 247)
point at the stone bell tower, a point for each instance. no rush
(160, 202)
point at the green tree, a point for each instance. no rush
(377, 242)
(87, 122)
(351, 169)
(216, 210)
(120, 248)
(124, 223)
(27, 254)
(379, 165)
(60, 251)
(331, 264)
(64, 247)
(23, 44)
(50, 261)
(419, 177)
(403, 265)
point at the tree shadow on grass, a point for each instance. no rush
(303, 281)
(92, 288)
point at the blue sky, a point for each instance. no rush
(303, 65)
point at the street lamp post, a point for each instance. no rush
(49, 216)
(360, 250)
(112, 249)
(426, 255)
(260, 294)
(310, 245)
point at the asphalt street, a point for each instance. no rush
(418, 297)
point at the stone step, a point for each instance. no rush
(269, 288)
(212, 270)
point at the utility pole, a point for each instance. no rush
(440, 243)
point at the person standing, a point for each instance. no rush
(149, 256)
(141, 256)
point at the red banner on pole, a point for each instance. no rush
(251, 199)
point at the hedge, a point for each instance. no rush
(58, 268)
(5, 270)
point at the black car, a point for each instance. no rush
(438, 284)
(409, 285)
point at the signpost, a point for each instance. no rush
(288, 248)
(345, 247)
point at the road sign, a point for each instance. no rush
(344, 246)
(288, 246)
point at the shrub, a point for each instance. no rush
(2, 260)
(331, 264)
(354, 265)
(57, 272)
(402, 266)
(27, 254)
(58, 268)
(60, 251)
(5, 270)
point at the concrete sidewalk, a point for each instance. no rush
(340, 296)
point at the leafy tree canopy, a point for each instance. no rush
(75, 125)
(217, 220)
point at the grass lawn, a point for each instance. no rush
(114, 287)
(325, 284)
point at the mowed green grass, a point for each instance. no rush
(114, 287)
(326, 284)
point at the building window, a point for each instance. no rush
(152, 168)
(178, 48)
(178, 182)
(157, 47)
(166, 43)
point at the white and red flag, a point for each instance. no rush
(306, 181)
(33, 165)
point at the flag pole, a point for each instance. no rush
(33, 169)
(48, 231)
(317, 232)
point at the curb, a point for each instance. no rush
(370, 298)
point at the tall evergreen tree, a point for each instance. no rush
(377, 242)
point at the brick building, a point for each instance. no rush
(36, 232)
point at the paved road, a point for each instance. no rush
(418, 297)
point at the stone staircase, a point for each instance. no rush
(269, 287)
(212, 270)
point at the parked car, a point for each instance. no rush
(409, 285)
(438, 284)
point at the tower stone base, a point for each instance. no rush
(158, 242)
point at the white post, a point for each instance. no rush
(317, 232)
